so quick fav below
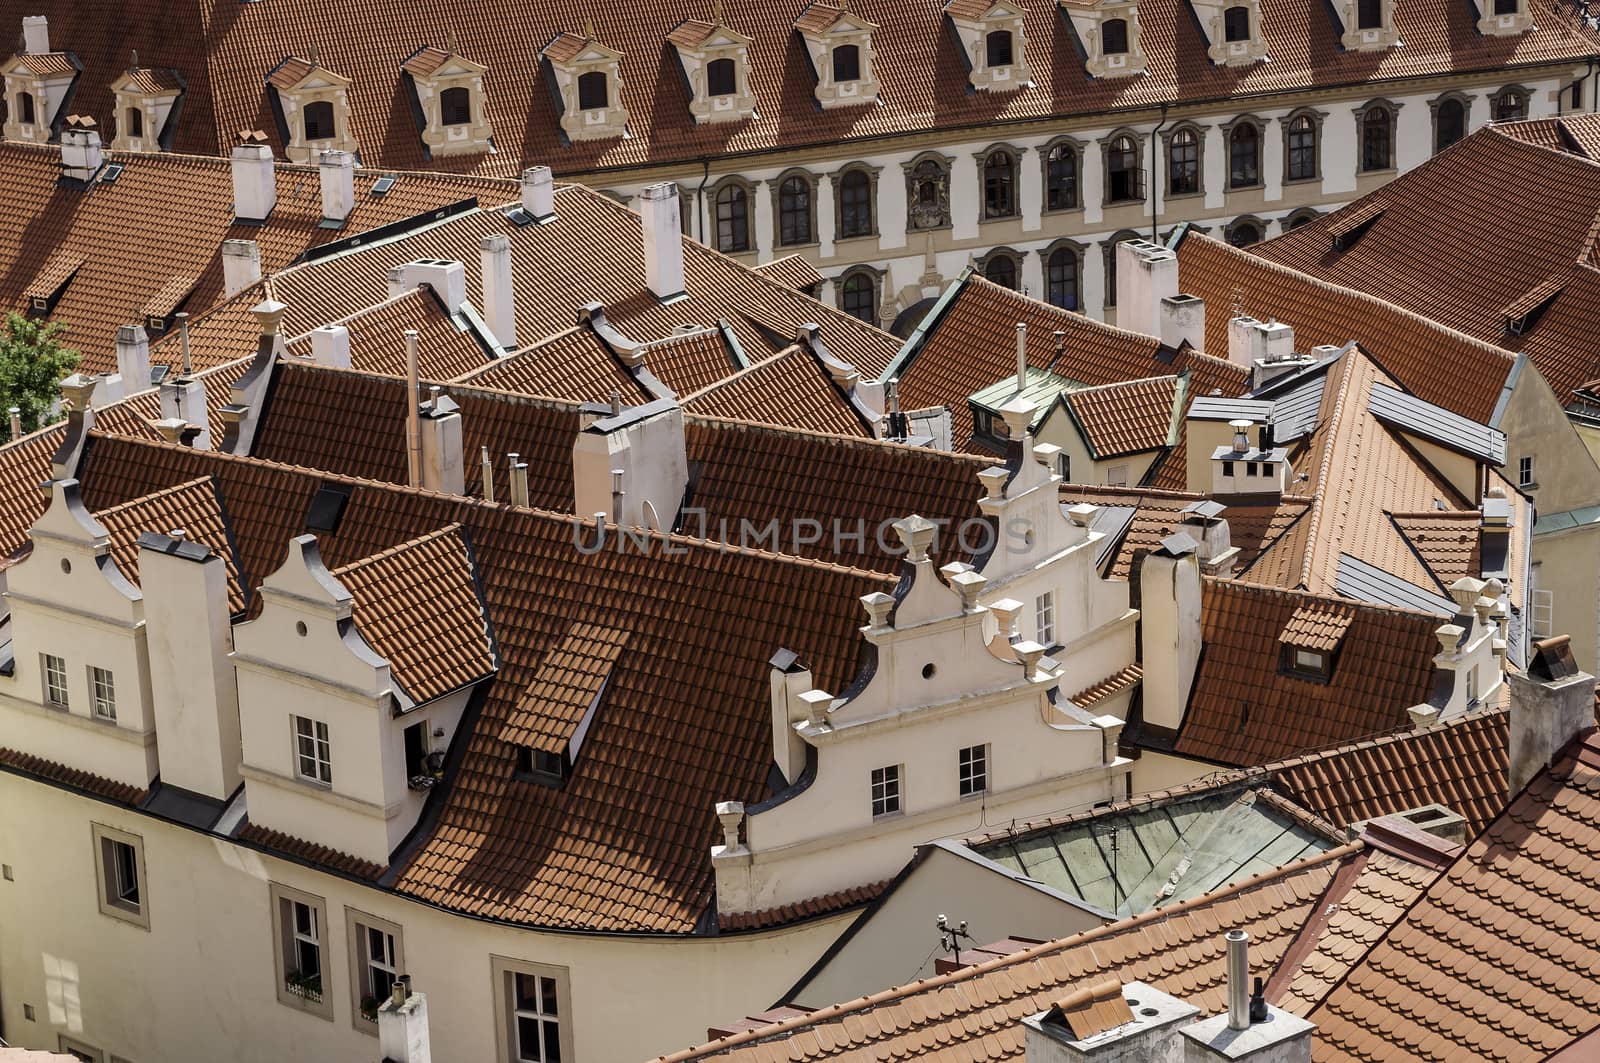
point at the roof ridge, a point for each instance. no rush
(1136, 381)
(706, 420)
(1388, 738)
(1324, 468)
(1248, 586)
(740, 374)
(441, 532)
(450, 386)
(1046, 948)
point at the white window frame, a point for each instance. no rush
(1541, 612)
(286, 939)
(1117, 475)
(358, 928)
(504, 971)
(117, 855)
(54, 671)
(102, 693)
(1044, 617)
(313, 749)
(71, 1046)
(888, 791)
(972, 771)
(1525, 473)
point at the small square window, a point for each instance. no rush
(1117, 476)
(1307, 664)
(974, 771)
(103, 692)
(119, 860)
(27, 1012)
(313, 758)
(542, 765)
(886, 791)
(1227, 468)
(1044, 611)
(55, 681)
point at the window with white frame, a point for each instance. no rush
(1541, 608)
(1044, 615)
(299, 921)
(973, 770)
(102, 693)
(1117, 476)
(885, 791)
(375, 962)
(312, 756)
(78, 1049)
(1525, 471)
(55, 681)
(537, 1030)
(119, 861)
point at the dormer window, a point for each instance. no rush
(449, 94)
(587, 79)
(455, 106)
(993, 43)
(36, 87)
(1310, 641)
(146, 100)
(1369, 14)
(716, 64)
(1236, 24)
(839, 44)
(1504, 18)
(313, 109)
(1233, 31)
(1368, 24)
(1108, 32)
(1114, 37)
(29, 111)
(133, 118)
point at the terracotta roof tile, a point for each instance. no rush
(57, 271)
(154, 80)
(170, 296)
(568, 683)
(692, 32)
(425, 61)
(50, 64)
(1130, 417)
(29, 764)
(301, 849)
(827, 904)
(564, 47)
(1318, 626)
(791, 389)
(1115, 684)
(575, 364)
(692, 361)
(418, 606)
(377, 338)
(290, 72)
(792, 271)
(1448, 543)
(194, 507)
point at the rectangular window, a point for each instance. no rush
(103, 692)
(1541, 608)
(1307, 664)
(534, 1008)
(375, 962)
(1117, 476)
(886, 791)
(119, 861)
(55, 681)
(1525, 471)
(313, 758)
(298, 922)
(974, 770)
(78, 1050)
(1044, 614)
(1064, 467)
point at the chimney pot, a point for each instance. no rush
(1022, 356)
(539, 192)
(182, 317)
(16, 422)
(663, 240)
(338, 174)
(488, 473)
(447, 279)
(519, 483)
(1238, 979)
(133, 358)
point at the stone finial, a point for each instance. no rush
(1465, 592)
(916, 535)
(817, 703)
(994, 481)
(731, 815)
(1045, 454)
(269, 314)
(1005, 615)
(1449, 636)
(877, 605)
(77, 391)
(1018, 415)
(1082, 514)
(1030, 653)
(969, 585)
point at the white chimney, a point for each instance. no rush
(1251, 1028)
(81, 152)
(1551, 705)
(413, 414)
(1146, 274)
(185, 587)
(1250, 340)
(647, 444)
(133, 358)
(1183, 319)
(447, 279)
(663, 241)
(183, 398)
(255, 185)
(403, 1025)
(241, 266)
(1089, 1024)
(35, 34)
(338, 172)
(539, 193)
(1170, 611)
(499, 299)
(443, 460)
(330, 346)
(791, 681)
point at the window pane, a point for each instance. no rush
(528, 1039)
(720, 80)
(998, 48)
(1062, 279)
(860, 298)
(1114, 37)
(592, 90)
(855, 204)
(847, 63)
(552, 1042)
(547, 995)
(1061, 179)
(527, 992)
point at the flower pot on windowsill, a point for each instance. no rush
(369, 1008)
(307, 987)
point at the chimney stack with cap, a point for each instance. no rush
(646, 443)
(663, 240)
(337, 170)
(255, 183)
(1169, 625)
(1551, 704)
(447, 279)
(330, 346)
(1251, 1029)
(1183, 320)
(35, 34)
(403, 1025)
(443, 460)
(241, 266)
(499, 296)
(133, 359)
(539, 193)
(81, 152)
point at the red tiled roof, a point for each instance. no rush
(426, 61)
(1447, 542)
(29, 764)
(1131, 417)
(154, 80)
(1104, 689)
(49, 64)
(170, 295)
(1318, 626)
(791, 389)
(195, 508)
(378, 345)
(806, 909)
(290, 72)
(316, 854)
(574, 364)
(691, 361)
(792, 271)
(569, 680)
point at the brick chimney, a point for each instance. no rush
(1147, 273)
(337, 170)
(1169, 623)
(646, 445)
(35, 34)
(241, 266)
(330, 346)
(403, 1025)
(539, 193)
(82, 154)
(190, 633)
(255, 184)
(663, 241)
(1551, 704)
(499, 297)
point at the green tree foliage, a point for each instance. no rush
(32, 362)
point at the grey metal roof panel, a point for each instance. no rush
(1223, 408)
(1294, 415)
(1367, 583)
(1113, 521)
(1437, 424)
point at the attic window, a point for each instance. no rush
(593, 93)
(455, 105)
(1306, 664)
(997, 48)
(327, 507)
(1311, 639)
(319, 120)
(721, 77)
(1114, 37)
(539, 765)
(25, 99)
(847, 63)
(1236, 24)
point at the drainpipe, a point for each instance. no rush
(700, 200)
(1155, 187)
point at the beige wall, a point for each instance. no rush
(1567, 564)
(1535, 424)
(1162, 771)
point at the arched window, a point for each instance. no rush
(594, 92)
(997, 48)
(1303, 216)
(1061, 178)
(1114, 36)
(1300, 162)
(847, 63)
(455, 105)
(733, 219)
(794, 211)
(1377, 138)
(855, 204)
(1061, 278)
(1002, 269)
(1000, 185)
(1236, 24)
(1244, 156)
(928, 196)
(319, 120)
(25, 105)
(1369, 14)
(1244, 232)
(720, 77)
(1122, 171)
(1183, 163)
(1449, 123)
(135, 122)
(859, 297)
(1510, 105)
